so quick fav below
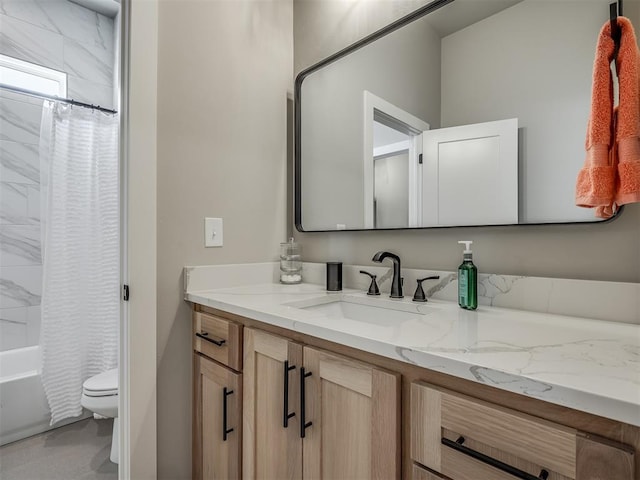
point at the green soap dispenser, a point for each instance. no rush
(467, 279)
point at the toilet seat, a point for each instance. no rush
(102, 385)
(100, 395)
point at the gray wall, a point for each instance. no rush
(609, 251)
(322, 27)
(390, 175)
(224, 72)
(63, 36)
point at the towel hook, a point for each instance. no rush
(615, 10)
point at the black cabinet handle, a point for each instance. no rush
(216, 341)
(516, 472)
(285, 410)
(303, 421)
(225, 431)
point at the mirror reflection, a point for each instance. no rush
(469, 115)
(390, 177)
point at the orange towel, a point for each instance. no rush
(628, 122)
(611, 172)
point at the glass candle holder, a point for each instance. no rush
(290, 263)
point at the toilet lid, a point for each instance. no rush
(102, 385)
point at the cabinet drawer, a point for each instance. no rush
(218, 338)
(449, 428)
(466, 439)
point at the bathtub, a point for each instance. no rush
(23, 406)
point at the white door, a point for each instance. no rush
(470, 174)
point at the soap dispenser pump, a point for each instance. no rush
(467, 279)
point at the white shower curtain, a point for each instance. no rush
(80, 248)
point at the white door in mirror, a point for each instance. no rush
(470, 174)
(212, 232)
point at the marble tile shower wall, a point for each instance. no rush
(63, 36)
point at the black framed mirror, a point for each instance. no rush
(462, 113)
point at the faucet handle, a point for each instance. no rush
(419, 296)
(373, 288)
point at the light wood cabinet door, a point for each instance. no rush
(271, 450)
(352, 413)
(217, 428)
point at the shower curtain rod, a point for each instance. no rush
(70, 101)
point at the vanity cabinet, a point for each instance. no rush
(217, 398)
(372, 417)
(313, 414)
(465, 439)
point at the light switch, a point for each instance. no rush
(212, 232)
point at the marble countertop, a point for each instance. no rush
(589, 365)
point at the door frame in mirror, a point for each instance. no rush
(414, 124)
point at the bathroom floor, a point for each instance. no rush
(76, 451)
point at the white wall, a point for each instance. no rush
(224, 72)
(609, 251)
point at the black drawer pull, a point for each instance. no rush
(285, 410)
(225, 431)
(216, 341)
(303, 420)
(516, 472)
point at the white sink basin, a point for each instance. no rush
(373, 310)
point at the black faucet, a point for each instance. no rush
(396, 282)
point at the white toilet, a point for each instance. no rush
(100, 395)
